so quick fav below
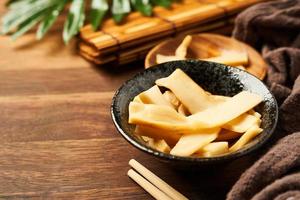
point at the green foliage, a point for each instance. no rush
(23, 15)
(98, 10)
(142, 6)
(49, 19)
(75, 20)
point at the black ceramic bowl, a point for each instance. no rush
(213, 77)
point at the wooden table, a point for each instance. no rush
(57, 140)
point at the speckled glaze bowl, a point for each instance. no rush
(213, 77)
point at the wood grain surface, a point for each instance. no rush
(57, 140)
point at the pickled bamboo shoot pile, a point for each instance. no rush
(237, 59)
(186, 120)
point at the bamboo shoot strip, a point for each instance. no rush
(155, 180)
(227, 110)
(171, 98)
(246, 137)
(189, 144)
(189, 99)
(166, 118)
(158, 116)
(242, 123)
(162, 58)
(170, 137)
(160, 145)
(230, 58)
(181, 51)
(214, 149)
(146, 185)
(175, 83)
(154, 96)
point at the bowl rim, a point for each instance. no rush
(209, 160)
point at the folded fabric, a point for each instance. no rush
(283, 70)
(273, 23)
(258, 181)
(291, 195)
(284, 188)
(274, 29)
(290, 109)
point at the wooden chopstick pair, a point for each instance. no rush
(155, 186)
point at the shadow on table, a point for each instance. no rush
(210, 183)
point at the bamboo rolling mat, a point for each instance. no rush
(131, 40)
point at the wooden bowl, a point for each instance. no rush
(210, 45)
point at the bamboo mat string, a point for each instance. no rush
(173, 25)
(118, 45)
(115, 39)
(226, 13)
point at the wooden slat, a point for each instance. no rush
(94, 169)
(56, 117)
(29, 53)
(60, 80)
(70, 168)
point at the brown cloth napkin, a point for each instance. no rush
(274, 29)
(257, 182)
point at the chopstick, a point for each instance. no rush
(146, 185)
(161, 185)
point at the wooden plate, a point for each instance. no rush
(210, 45)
